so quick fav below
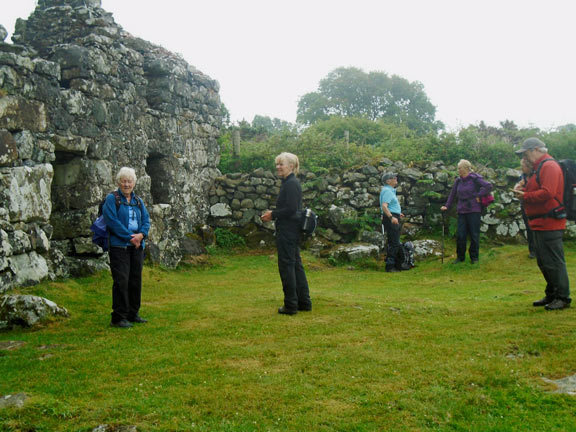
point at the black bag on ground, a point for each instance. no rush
(405, 259)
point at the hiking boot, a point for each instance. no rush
(121, 324)
(138, 319)
(457, 261)
(285, 311)
(557, 305)
(543, 301)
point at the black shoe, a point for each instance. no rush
(121, 324)
(557, 305)
(543, 301)
(285, 311)
(138, 320)
(474, 261)
(305, 308)
(392, 270)
(457, 261)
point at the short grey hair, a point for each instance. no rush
(126, 172)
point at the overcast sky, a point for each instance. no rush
(489, 60)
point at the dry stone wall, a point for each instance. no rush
(80, 98)
(348, 201)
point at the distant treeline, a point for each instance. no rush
(347, 141)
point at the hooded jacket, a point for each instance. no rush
(466, 190)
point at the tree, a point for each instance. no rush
(271, 125)
(350, 92)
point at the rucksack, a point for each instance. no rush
(405, 259)
(101, 236)
(568, 207)
(485, 200)
(309, 221)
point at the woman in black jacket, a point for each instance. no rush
(288, 226)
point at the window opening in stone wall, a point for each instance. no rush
(157, 168)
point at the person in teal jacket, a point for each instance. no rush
(128, 223)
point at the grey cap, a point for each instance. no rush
(388, 176)
(530, 144)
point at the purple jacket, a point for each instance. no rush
(466, 190)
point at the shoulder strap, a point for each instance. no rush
(538, 174)
(118, 200)
(538, 169)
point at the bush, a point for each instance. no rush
(226, 239)
(323, 146)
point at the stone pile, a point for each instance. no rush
(80, 98)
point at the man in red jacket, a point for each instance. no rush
(543, 197)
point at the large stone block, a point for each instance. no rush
(81, 183)
(70, 224)
(8, 151)
(17, 113)
(28, 269)
(25, 192)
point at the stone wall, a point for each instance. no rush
(348, 201)
(80, 98)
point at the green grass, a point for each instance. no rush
(445, 348)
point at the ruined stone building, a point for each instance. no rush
(80, 98)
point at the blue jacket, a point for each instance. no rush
(117, 221)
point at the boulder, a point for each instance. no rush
(426, 248)
(28, 310)
(13, 401)
(354, 252)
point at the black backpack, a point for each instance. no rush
(405, 259)
(569, 170)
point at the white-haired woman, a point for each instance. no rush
(467, 189)
(288, 229)
(128, 223)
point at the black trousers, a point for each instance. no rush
(294, 282)
(392, 240)
(126, 267)
(468, 226)
(550, 257)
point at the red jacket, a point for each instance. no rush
(540, 198)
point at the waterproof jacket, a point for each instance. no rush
(539, 199)
(288, 203)
(117, 220)
(466, 190)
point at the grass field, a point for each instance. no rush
(445, 348)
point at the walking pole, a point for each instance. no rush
(442, 244)
(385, 241)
